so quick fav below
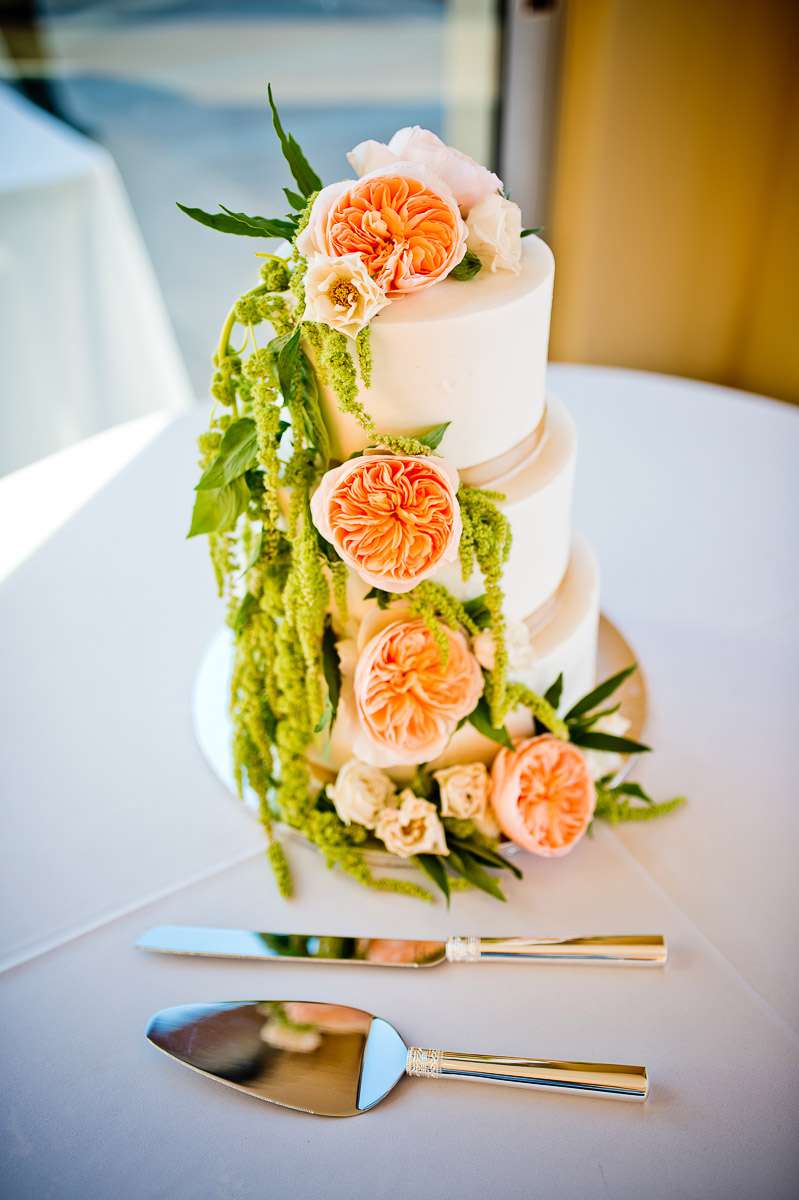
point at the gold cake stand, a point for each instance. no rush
(213, 730)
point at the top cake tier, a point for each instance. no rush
(473, 353)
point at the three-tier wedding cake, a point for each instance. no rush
(387, 491)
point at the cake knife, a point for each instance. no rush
(641, 949)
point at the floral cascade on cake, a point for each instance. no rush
(386, 491)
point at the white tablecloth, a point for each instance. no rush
(112, 823)
(85, 341)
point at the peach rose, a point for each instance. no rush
(392, 518)
(468, 180)
(402, 219)
(408, 701)
(543, 795)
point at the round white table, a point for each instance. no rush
(85, 339)
(113, 823)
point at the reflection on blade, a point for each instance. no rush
(298, 1054)
(242, 943)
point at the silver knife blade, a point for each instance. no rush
(291, 947)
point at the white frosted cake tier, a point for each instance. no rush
(473, 353)
(538, 505)
(564, 639)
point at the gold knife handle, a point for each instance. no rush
(613, 1080)
(645, 949)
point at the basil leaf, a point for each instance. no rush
(554, 692)
(241, 224)
(530, 232)
(304, 175)
(481, 720)
(467, 268)
(485, 854)
(434, 867)
(238, 452)
(328, 551)
(433, 436)
(295, 199)
(243, 613)
(297, 381)
(600, 693)
(331, 668)
(219, 509)
(463, 864)
(383, 598)
(479, 612)
(255, 555)
(592, 740)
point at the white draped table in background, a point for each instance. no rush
(113, 823)
(85, 340)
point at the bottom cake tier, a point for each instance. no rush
(562, 639)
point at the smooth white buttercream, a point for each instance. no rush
(473, 353)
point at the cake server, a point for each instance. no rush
(646, 949)
(338, 1061)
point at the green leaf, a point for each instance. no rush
(467, 268)
(592, 740)
(554, 692)
(481, 720)
(331, 668)
(479, 611)
(383, 598)
(304, 175)
(238, 452)
(464, 864)
(242, 225)
(600, 693)
(485, 854)
(433, 436)
(590, 719)
(296, 201)
(530, 232)
(297, 381)
(327, 549)
(246, 608)
(218, 510)
(433, 866)
(325, 719)
(255, 555)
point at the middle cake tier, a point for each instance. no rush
(537, 503)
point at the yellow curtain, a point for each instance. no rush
(675, 204)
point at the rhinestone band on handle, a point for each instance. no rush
(426, 1064)
(463, 949)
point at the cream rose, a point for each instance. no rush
(519, 647)
(495, 233)
(360, 793)
(465, 791)
(412, 828)
(606, 762)
(341, 293)
(469, 181)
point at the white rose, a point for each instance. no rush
(469, 181)
(341, 293)
(412, 828)
(360, 793)
(606, 762)
(518, 644)
(465, 793)
(495, 233)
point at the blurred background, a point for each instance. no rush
(656, 141)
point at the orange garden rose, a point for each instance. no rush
(402, 220)
(392, 518)
(408, 701)
(543, 795)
